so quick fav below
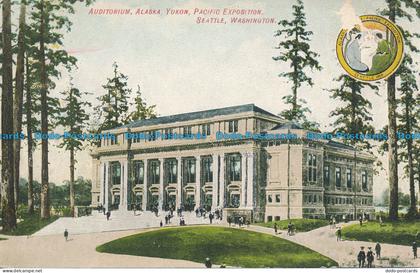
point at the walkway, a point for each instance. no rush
(53, 251)
(324, 241)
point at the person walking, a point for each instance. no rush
(275, 228)
(211, 218)
(66, 234)
(334, 222)
(370, 257)
(361, 257)
(108, 215)
(229, 220)
(339, 234)
(415, 250)
(161, 224)
(208, 263)
(378, 250)
(361, 221)
(289, 228)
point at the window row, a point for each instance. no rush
(348, 179)
(312, 198)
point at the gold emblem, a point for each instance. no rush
(372, 50)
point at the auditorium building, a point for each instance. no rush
(241, 159)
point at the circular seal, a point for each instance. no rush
(371, 50)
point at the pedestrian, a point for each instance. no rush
(275, 228)
(161, 224)
(378, 250)
(66, 234)
(361, 257)
(229, 220)
(331, 223)
(415, 250)
(208, 263)
(380, 221)
(211, 218)
(334, 222)
(104, 210)
(339, 234)
(370, 258)
(289, 228)
(108, 215)
(361, 221)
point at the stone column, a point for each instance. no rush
(102, 181)
(179, 183)
(126, 190)
(243, 180)
(250, 180)
(161, 186)
(222, 181)
(122, 186)
(197, 181)
(215, 166)
(107, 186)
(145, 188)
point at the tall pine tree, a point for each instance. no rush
(295, 49)
(141, 109)
(73, 120)
(396, 10)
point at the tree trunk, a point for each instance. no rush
(72, 181)
(392, 138)
(7, 195)
(392, 151)
(30, 141)
(412, 212)
(45, 206)
(18, 101)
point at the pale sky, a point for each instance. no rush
(182, 66)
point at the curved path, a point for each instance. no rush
(324, 241)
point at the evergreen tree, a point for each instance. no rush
(73, 120)
(295, 49)
(141, 109)
(354, 116)
(395, 11)
(113, 107)
(7, 155)
(408, 121)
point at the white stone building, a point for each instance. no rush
(249, 162)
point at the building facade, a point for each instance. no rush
(242, 159)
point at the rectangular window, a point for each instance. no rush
(233, 126)
(138, 172)
(154, 172)
(326, 175)
(311, 168)
(189, 170)
(169, 132)
(277, 198)
(171, 171)
(206, 165)
(277, 218)
(186, 131)
(205, 129)
(364, 180)
(235, 168)
(338, 177)
(349, 178)
(269, 199)
(116, 173)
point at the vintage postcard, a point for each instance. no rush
(210, 134)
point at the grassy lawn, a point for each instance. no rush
(400, 233)
(30, 224)
(233, 247)
(301, 225)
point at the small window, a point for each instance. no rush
(270, 199)
(269, 218)
(233, 126)
(205, 129)
(277, 198)
(277, 218)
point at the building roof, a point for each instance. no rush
(287, 125)
(199, 115)
(337, 144)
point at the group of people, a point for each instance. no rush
(238, 221)
(368, 256)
